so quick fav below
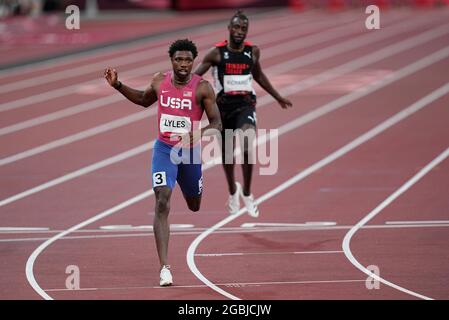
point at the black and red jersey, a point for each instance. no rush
(233, 77)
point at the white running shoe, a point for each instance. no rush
(250, 205)
(233, 204)
(166, 277)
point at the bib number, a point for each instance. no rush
(238, 83)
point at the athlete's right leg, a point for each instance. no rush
(164, 173)
(161, 226)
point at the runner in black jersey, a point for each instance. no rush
(235, 64)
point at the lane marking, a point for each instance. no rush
(347, 239)
(220, 231)
(335, 104)
(418, 105)
(229, 284)
(275, 224)
(13, 229)
(150, 227)
(262, 253)
(419, 222)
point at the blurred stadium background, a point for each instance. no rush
(33, 30)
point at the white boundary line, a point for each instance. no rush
(419, 222)
(130, 234)
(437, 56)
(423, 102)
(347, 239)
(229, 284)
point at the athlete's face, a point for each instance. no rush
(182, 62)
(238, 30)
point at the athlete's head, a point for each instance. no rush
(238, 28)
(182, 53)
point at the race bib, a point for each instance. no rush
(174, 124)
(237, 83)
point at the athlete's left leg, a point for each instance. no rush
(248, 156)
(190, 180)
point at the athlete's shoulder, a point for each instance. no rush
(221, 44)
(205, 86)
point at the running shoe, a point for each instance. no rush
(251, 205)
(233, 204)
(166, 277)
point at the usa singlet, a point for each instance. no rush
(233, 78)
(178, 112)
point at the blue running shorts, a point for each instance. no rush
(171, 164)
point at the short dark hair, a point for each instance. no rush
(239, 14)
(183, 45)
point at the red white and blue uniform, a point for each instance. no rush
(178, 113)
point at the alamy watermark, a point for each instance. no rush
(72, 282)
(372, 282)
(257, 146)
(73, 20)
(373, 20)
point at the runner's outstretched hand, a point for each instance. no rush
(111, 76)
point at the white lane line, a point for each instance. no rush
(79, 136)
(155, 51)
(74, 174)
(276, 224)
(229, 284)
(419, 222)
(14, 229)
(347, 239)
(430, 59)
(418, 105)
(129, 227)
(295, 88)
(142, 233)
(263, 253)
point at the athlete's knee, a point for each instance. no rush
(194, 204)
(195, 207)
(162, 203)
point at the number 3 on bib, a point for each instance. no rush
(159, 179)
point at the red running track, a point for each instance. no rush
(280, 255)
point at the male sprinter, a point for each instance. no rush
(235, 63)
(182, 97)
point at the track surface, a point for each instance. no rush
(344, 148)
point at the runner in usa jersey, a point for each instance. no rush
(235, 64)
(178, 111)
(182, 98)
